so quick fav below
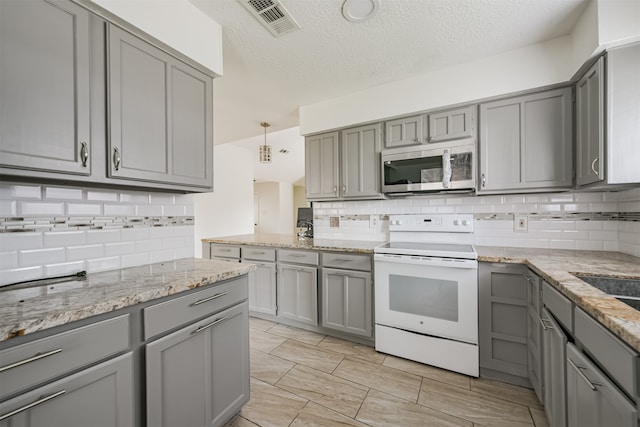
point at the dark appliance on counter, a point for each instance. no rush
(305, 219)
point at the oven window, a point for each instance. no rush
(435, 298)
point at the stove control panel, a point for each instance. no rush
(456, 223)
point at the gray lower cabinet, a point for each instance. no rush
(452, 124)
(101, 395)
(298, 293)
(199, 375)
(322, 168)
(160, 115)
(262, 288)
(534, 333)
(526, 142)
(554, 344)
(592, 399)
(502, 326)
(44, 87)
(347, 301)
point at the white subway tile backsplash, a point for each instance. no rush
(562, 244)
(84, 209)
(160, 232)
(33, 257)
(146, 245)
(40, 208)
(120, 248)
(610, 246)
(65, 268)
(15, 275)
(184, 252)
(119, 210)
(588, 197)
(8, 259)
(18, 241)
(561, 198)
(161, 255)
(54, 239)
(589, 245)
(8, 208)
(57, 193)
(103, 236)
(161, 199)
(25, 192)
(134, 259)
(131, 234)
(172, 242)
(603, 207)
(103, 264)
(603, 235)
(76, 253)
(102, 196)
(173, 210)
(149, 210)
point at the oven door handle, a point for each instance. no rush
(426, 261)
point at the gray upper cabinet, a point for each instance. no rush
(404, 131)
(44, 87)
(452, 124)
(360, 161)
(526, 142)
(321, 166)
(590, 125)
(160, 115)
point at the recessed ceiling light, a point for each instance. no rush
(359, 10)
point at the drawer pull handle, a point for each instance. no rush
(208, 325)
(212, 297)
(344, 259)
(116, 158)
(31, 405)
(579, 369)
(223, 250)
(297, 255)
(258, 253)
(31, 359)
(546, 324)
(84, 153)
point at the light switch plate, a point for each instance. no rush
(334, 221)
(373, 221)
(520, 223)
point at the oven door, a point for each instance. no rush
(428, 295)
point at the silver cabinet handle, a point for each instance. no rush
(546, 325)
(593, 165)
(344, 259)
(416, 139)
(208, 325)
(31, 405)
(484, 180)
(579, 369)
(446, 169)
(224, 250)
(212, 297)
(344, 188)
(297, 255)
(31, 359)
(116, 158)
(84, 154)
(258, 253)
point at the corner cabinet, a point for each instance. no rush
(590, 125)
(526, 143)
(160, 115)
(44, 87)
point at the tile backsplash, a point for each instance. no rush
(56, 230)
(607, 221)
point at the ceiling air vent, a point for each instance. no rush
(272, 15)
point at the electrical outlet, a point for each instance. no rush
(334, 221)
(373, 221)
(520, 223)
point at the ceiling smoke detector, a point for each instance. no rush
(272, 15)
(359, 10)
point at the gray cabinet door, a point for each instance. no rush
(160, 115)
(321, 166)
(298, 293)
(404, 131)
(44, 86)
(98, 396)
(554, 343)
(526, 142)
(347, 301)
(360, 161)
(452, 124)
(534, 334)
(502, 326)
(199, 375)
(590, 125)
(593, 400)
(262, 288)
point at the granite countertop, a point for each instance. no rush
(27, 310)
(556, 267)
(294, 242)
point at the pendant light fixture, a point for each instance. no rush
(265, 150)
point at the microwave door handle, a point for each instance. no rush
(446, 169)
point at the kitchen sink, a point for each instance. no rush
(625, 290)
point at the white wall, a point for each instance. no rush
(229, 209)
(178, 23)
(618, 22)
(286, 218)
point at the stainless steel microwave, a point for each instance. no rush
(422, 169)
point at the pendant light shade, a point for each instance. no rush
(265, 150)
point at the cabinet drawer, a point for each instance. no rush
(298, 257)
(178, 311)
(225, 251)
(346, 261)
(618, 359)
(559, 305)
(32, 363)
(259, 254)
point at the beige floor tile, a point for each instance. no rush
(264, 341)
(306, 337)
(470, 405)
(427, 371)
(238, 421)
(539, 417)
(352, 349)
(512, 393)
(308, 355)
(268, 368)
(381, 409)
(271, 406)
(389, 380)
(314, 415)
(327, 390)
(261, 324)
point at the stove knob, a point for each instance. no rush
(465, 222)
(455, 222)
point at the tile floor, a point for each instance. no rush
(301, 378)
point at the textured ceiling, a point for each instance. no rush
(267, 78)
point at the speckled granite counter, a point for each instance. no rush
(33, 309)
(293, 242)
(557, 266)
